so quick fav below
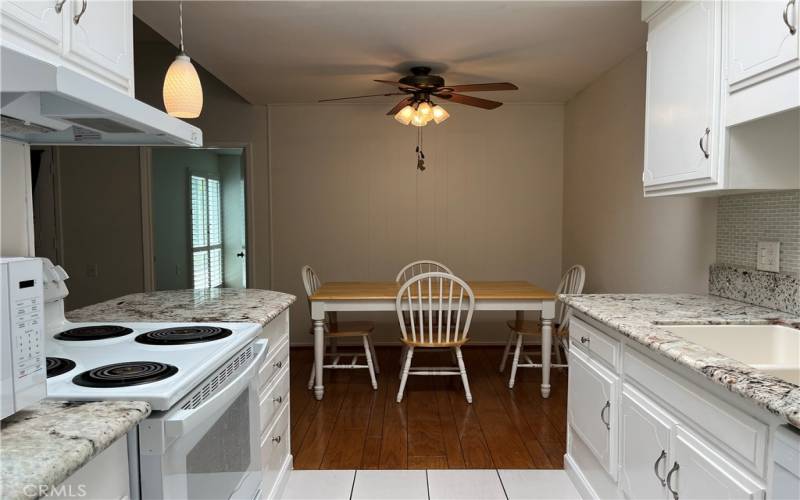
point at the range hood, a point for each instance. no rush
(47, 104)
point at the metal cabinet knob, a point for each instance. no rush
(792, 28)
(79, 15)
(705, 137)
(278, 364)
(59, 6)
(276, 439)
(277, 399)
(661, 457)
(584, 340)
(607, 406)
(672, 471)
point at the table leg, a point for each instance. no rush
(319, 357)
(547, 348)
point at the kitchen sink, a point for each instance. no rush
(773, 349)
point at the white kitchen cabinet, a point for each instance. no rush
(699, 473)
(102, 41)
(644, 446)
(683, 100)
(98, 45)
(592, 407)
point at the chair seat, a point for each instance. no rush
(348, 329)
(528, 327)
(411, 343)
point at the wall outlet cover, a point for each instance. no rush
(769, 256)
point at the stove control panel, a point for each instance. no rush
(24, 380)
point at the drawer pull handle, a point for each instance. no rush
(584, 340)
(607, 406)
(792, 28)
(279, 364)
(703, 148)
(277, 400)
(59, 6)
(661, 457)
(672, 471)
(79, 15)
(276, 439)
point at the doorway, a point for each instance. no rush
(199, 235)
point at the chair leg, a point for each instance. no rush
(506, 351)
(515, 363)
(557, 347)
(374, 356)
(404, 376)
(311, 377)
(403, 356)
(463, 372)
(370, 366)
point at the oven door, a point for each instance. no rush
(210, 451)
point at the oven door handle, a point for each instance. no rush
(184, 421)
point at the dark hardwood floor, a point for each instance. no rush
(354, 427)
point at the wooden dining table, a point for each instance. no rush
(362, 296)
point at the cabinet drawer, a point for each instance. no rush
(738, 433)
(593, 408)
(277, 330)
(273, 398)
(600, 345)
(276, 359)
(274, 450)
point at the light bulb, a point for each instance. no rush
(183, 94)
(440, 114)
(425, 110)
(405, 115)
(418, 120)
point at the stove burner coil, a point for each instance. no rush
(58, 366)
(125, 374)
(183, 335)
(97, 332)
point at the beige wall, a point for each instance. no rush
(627, 243)
(101, 222)
(347, 198)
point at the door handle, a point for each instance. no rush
(655, 467)
(705, 136)
(79, 15)
(792, 28)
(607, 406)
(672, 471)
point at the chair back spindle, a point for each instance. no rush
(439, 307)
(571, 283)
(420, 267)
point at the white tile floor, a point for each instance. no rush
(431, 484)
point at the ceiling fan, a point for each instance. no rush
(416, 108)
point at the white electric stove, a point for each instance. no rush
(202, 439)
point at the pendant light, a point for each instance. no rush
(183, 94)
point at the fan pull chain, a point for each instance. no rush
(420, 154)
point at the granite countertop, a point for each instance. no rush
(213, 304)
(638, 317)
(45, 444)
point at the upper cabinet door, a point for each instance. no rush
(760, 40)
(701, 473)
(682, 107)
(101, 40)
(36, 22)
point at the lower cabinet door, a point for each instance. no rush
(593, 408)
(700, 473)
(644, 447)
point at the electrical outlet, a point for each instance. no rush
(769, 256)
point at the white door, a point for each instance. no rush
(592, 407)
(34, 24)
(760, 43)
(703, 474)
(102, 40)
(683, 66)
(644, 446)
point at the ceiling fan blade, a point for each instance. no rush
(481, 87)
(400, 105)
(360, 96)
(470, 101)
(398, 84)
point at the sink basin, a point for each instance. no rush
(773, 349)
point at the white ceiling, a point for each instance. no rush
(286, 52)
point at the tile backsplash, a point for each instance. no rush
(743, 221)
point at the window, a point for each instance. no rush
(206, 232)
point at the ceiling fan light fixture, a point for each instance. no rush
(425, 110)
(440, 114)
(405, 115)
(419, 120)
